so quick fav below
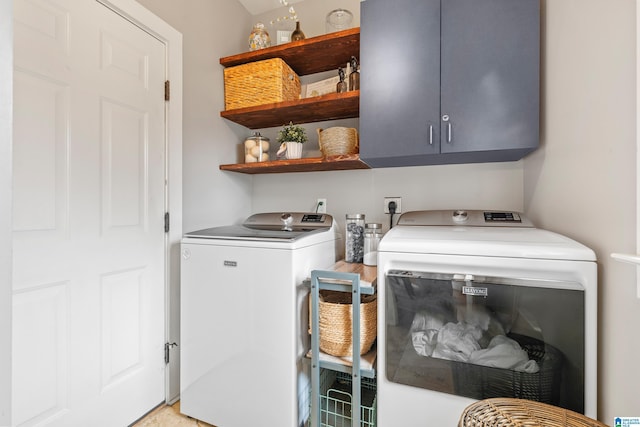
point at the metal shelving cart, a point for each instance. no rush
(331, 410)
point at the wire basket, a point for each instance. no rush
(335, 400)
(336, 141)
(335, 322)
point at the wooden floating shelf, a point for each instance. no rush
(308, 56)
(332, 106)
(311, 164)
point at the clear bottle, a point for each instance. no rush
(372, 235)
(354, 241)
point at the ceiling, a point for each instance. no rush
(257, 7)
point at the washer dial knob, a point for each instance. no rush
(287, 220)
(460, 216)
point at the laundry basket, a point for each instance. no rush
(484, 382)
(507, 412)
(335, 322)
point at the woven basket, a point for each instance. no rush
(260, 82)
(336, 141)
(520, 412)
(335, 320)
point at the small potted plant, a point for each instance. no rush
(291, 137)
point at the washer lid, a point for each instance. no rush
(434, 232)
(289, 226)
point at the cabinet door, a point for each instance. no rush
(400, 81)
(490, 69)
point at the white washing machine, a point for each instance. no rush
(482, 304)
(243, 311)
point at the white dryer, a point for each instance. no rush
(479, 304)
(243, 311)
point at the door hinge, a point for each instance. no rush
(166, 222)
(167, 347)
(167, 90)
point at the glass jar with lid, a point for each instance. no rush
(354, 239)
(256, 148)
(372, 236)
(259, 37)
(338, 19)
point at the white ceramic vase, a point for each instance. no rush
(294, 150)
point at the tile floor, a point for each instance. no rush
(169, 416)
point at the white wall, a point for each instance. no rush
(6, 97)
(210, 29)
(582, 181)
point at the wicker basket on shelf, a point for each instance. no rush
(335, 320)
(336, 141)
(260, 82)
(507, 412)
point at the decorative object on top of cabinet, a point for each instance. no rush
(259, 37)
(297, 34)
(338, 19)
(464, 76)
(337, 141)
(259, 83)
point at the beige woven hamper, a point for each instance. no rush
(260, 82)
(335, 322)
(507, 412)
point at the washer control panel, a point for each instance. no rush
(467, 218)
(502, 217)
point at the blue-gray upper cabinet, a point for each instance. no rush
(448, 81)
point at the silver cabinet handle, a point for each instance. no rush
(430, 134)
(445, 118)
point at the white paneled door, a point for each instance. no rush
(89, 202)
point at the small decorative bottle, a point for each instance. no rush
(354, 77)
(341, 86)
(297, 33)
